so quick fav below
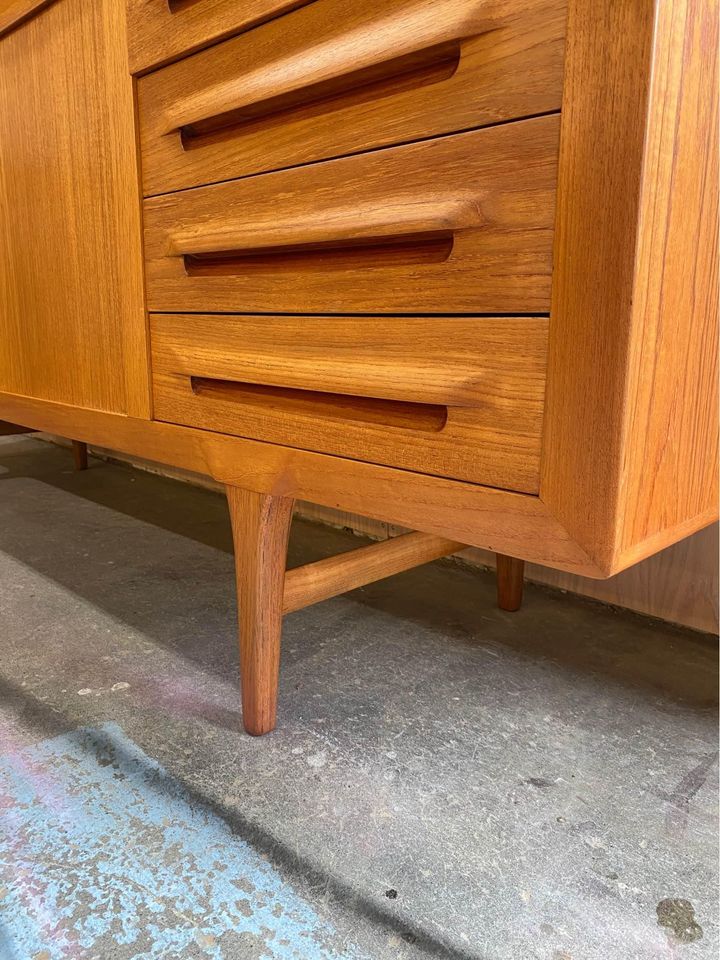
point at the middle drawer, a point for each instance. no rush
(459, 224)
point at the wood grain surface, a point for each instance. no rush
(331, 79)
(629, 448)
(161, 30)
(510, 573)
(454, 396)
(261, 528)
(679, 584)
(331, 576)
(15, 12)
(497, 520)
(456, 224)
(72, 318)
(670, 465)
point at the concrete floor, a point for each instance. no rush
(446, 781)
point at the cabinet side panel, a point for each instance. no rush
(671, 453)
(72, 320)
(630, 440)
(607, 78)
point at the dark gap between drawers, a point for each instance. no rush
(400, 314)
(353, 153)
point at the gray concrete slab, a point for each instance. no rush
(447, 780)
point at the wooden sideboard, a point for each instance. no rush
(446, 263)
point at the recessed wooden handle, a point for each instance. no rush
(402, 414)
(412, 71)
(377, 37)
(175, 6)
(377, 252)
(395, 220)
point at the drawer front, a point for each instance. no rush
(333, 78)
(459, 397)
(162, 30)
(459, 224)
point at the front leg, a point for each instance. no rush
(261, 527)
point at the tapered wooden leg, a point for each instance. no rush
(509, 582)
(261, 527)
(80, 455)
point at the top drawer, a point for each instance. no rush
(333, 78)
(161, 30)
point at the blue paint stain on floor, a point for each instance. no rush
(104, 855)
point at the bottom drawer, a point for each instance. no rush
(458, 397)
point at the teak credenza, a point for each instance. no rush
(446, 263)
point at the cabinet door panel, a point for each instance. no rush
(72, 321)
